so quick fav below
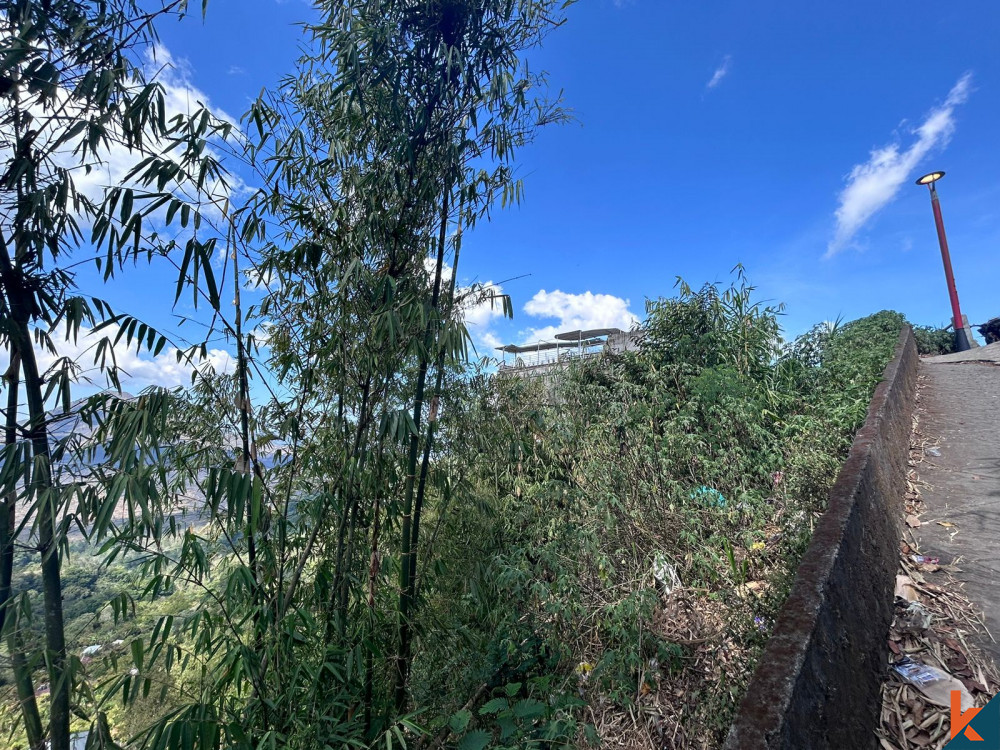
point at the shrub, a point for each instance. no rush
(931, 340)
(710, 449)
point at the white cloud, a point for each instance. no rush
(577, 311)
(115, 159)
(136, 370)
(481, 306)
(481, 309)
(491, 342)
(430, 266)
(484, 307)
(873, 184)
(720, 73)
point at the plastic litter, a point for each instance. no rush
(708, 496)
(925, 560)
(665, 573)
(906, 590)
(914, 619)
(936, 452)
(935, 684)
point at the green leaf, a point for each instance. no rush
(494, 706)
(476, 740)
(137, 653)
(529, 708)
(508, 727)
(460, 720)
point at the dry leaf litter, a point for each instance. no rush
(931, 641)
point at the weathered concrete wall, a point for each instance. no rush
(817, 685)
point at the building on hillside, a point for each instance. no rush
(543, 357)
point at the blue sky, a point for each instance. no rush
(783, 136)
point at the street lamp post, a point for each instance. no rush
(962, 342)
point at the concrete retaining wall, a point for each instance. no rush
(818, 682)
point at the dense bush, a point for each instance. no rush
(932, 340)
(563, 506)
(709, 450)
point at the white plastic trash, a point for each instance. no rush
(935, 684)
(665, 573)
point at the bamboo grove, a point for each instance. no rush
(311, 465)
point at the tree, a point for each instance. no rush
(72, 89)
(411, 114)
(399, 131)
(400, 127)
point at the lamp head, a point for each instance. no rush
(932, 177)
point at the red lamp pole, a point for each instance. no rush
(961, 338)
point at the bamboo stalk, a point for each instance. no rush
(40, 488)
(8, 508)
(432, 418)
(405, 633)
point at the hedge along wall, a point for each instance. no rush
(818, 682)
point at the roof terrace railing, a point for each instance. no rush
(565, 348)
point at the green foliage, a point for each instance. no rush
(72, 87)
(836, 367)
(709, 449)
(515, 718)
(378, 545)
(284, 528)
(932, 340)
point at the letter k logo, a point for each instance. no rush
(960, 719)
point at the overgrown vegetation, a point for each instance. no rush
(932, 340)
(357, 538)
(708, 452)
